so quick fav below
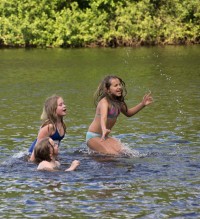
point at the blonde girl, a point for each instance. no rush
(53, 125)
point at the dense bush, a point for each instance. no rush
(84, 23)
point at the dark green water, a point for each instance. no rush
(164, 183)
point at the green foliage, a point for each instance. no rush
(61, 23)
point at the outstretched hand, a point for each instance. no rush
(74, 165)
(147, 99)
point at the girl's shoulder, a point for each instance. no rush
(107, 103)
(49, 127)
(103, 101)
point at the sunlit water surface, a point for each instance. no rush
(159, 177)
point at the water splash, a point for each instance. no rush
(20, 154)
(16, 159)
(131, 153)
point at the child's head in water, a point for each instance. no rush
(45, 152)
(45, 149)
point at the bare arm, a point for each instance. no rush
(73, 166)
(104, 112)
(147, 99)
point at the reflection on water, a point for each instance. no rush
(158, 178)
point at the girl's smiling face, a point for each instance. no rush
(115, 87)
(61, 108)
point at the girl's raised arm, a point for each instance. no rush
(147, 99)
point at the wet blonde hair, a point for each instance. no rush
(102, 91)
(42, 150)
(49, 115)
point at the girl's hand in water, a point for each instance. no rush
(104, 134)
(147, 99)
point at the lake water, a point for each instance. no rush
(161, 176)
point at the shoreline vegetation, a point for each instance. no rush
(98, 23)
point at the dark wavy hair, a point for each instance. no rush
(102, 91)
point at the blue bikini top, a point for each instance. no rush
(56, 136)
